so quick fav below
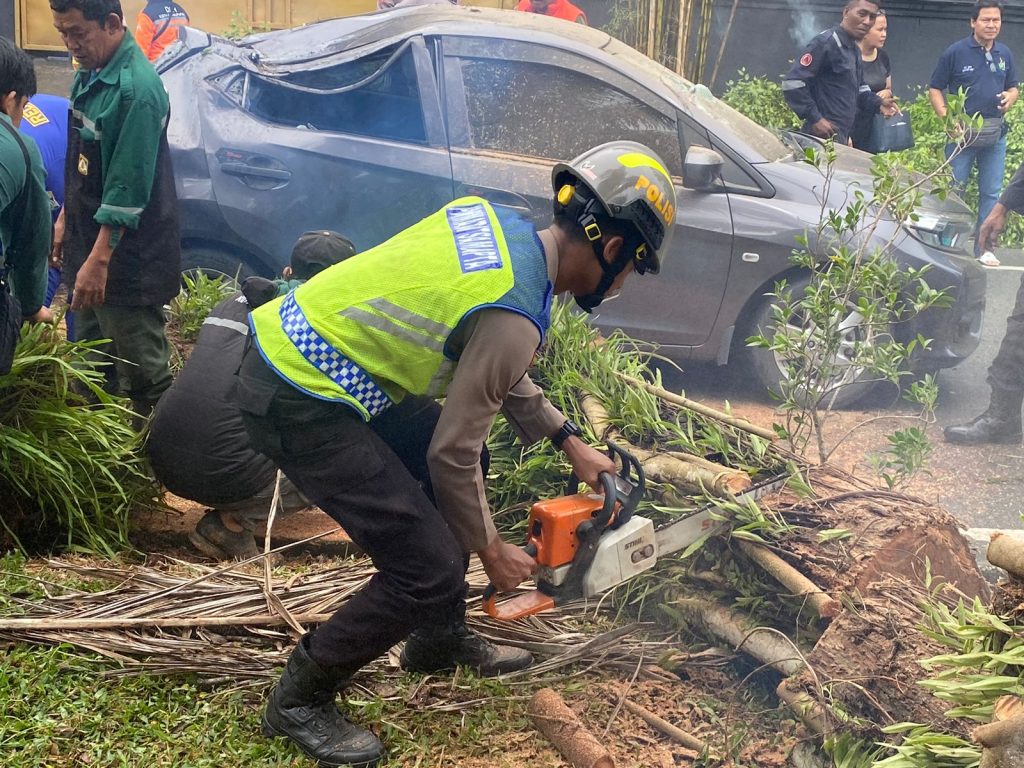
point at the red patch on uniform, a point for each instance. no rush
(806, 59)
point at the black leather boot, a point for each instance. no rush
(301, 708)
(999, 424)
(435, 649)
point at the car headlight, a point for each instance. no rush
(939, 231)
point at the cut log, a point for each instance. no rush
(1002, 743)
(694, 474)
(765, 645)
(1007, 552)
(559, 724)
(789, 577)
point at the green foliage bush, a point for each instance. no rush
(200, 293)
(72, 469)
(760, 99)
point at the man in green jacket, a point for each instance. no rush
(24, 203)
(455, 306)
(118, 232)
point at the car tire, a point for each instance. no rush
(768, 369)
(215, 263)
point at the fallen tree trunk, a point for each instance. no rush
(1007, 552)
(765, 645)
(803, 706)
(789, 577)
(559, 724)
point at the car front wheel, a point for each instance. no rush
(840, 381)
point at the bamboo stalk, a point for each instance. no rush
(703, 410)
(803, 706)
(1007, 553)
(49, 624)
(763, 644)
(665, 727)
(789, 577)
(680, 37)
(721, 45)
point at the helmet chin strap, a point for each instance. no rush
(590, 301)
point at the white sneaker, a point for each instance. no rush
(989, 259)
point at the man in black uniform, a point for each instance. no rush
(198, 446)
(1001, 423)
(825, 86)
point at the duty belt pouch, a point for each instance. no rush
(979, 138)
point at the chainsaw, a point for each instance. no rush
(587, 543)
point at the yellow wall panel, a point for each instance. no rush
(36, 32)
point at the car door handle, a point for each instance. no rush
(244, 169)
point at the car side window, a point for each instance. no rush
(519, 107)
(377, 95)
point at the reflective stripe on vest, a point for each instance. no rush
(329, 361)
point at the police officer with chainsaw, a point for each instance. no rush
(456, 306)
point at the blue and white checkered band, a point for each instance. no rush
(329, 361)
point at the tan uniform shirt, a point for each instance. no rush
(491, 376)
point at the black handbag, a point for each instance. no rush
(10, 307)
(891, 134)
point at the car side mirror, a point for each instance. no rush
(702, 169)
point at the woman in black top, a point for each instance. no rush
(877, 75)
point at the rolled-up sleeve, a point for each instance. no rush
(128, 180)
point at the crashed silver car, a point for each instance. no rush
(368, 123)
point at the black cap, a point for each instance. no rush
(317, 250)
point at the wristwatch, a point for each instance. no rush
(570, 428)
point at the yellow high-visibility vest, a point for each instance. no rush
(379, 324)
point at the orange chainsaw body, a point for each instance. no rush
(553, 525)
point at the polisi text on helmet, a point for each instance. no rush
(657, 198)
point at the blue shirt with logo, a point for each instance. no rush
(46, 121)
(982, 74)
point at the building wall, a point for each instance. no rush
(767, 35)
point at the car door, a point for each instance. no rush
(354, 143)
(514, 108)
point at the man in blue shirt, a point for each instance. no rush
(825, 86)
(983, 68)
(46, 121)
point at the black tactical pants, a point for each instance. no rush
(1007, 370)
(373, 481)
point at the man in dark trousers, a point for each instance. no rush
(456, 306)
(825, 86)
(118, 232)
(24, 205)
(1000, 423)
(197, 445)
(982, 67)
